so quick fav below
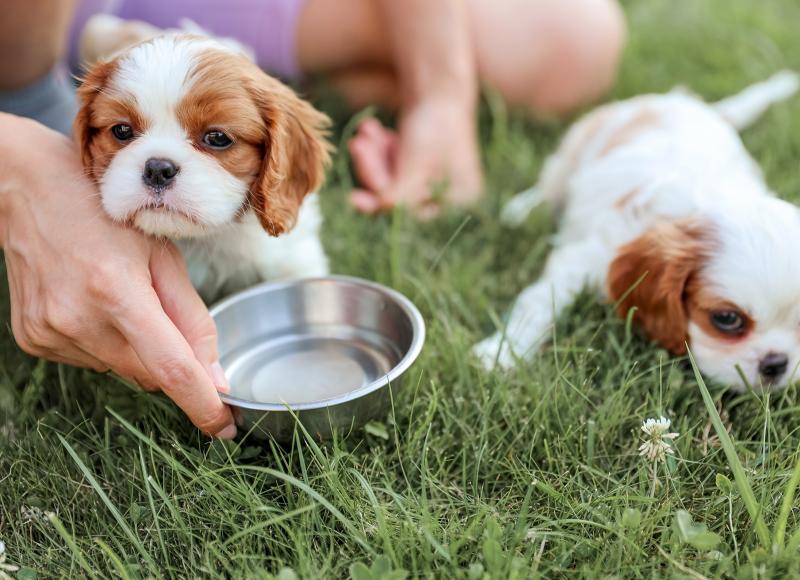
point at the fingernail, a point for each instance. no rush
(219, 378)
(228, 432)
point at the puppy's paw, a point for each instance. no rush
(518, 207)
(494, 352)
(106, 35)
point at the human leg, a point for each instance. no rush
(549, 56)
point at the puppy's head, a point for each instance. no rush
(727, 284)
(184, 135)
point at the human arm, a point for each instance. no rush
(433, 61)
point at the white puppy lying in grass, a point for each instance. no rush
(663, 210)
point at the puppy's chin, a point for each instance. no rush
(167, 223)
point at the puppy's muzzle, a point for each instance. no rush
(159, 174)
(772, 366)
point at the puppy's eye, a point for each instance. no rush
(217, 140)
(122, 132)
(728, 321)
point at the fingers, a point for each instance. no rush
(187, 311)
(366, 201)
(372, 151)
(112, 348)
(98, 346)
(171, 363)
(38, 340)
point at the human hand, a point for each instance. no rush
(90, 293)
(434, 151)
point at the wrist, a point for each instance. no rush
(454, 81)
(17, 171)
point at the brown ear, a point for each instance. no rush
(295, 158)
(92, 85)
(651, 274)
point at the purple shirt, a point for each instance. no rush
(269, 27)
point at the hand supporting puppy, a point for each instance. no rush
(87, 292)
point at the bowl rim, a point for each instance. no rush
(411, 355)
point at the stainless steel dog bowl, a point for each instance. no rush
(325, 351)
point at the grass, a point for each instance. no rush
(473, 475)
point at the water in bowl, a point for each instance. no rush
(304, 368)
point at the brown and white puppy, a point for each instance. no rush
(188, 139)
(665, 212)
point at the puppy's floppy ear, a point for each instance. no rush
(92, 85)
(296, 154)
(651, 274)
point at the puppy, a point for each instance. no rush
(189, 140)
(664, 212)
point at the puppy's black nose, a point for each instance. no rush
(773, 365)
(158, 173)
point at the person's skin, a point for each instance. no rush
(90, 293)
(549, 56)
(33, 34)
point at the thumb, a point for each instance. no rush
(187, 311)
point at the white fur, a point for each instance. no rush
(241, 254)
(223, 250)
(691, 164)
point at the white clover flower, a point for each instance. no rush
(658, 442)
(5, 568)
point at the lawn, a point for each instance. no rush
(473, 474)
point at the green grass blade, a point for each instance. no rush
(794, 542)
(152, 504)
(270, 522)
(376, 508)
(745, 490)
(106, 500)
(786, 506)
(73, 547)
(169, 459)
(115, 561)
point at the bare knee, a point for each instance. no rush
(552, 55)
(584, 64)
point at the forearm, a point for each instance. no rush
(33, 36)
(431, 47)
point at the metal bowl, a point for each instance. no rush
(321, 351)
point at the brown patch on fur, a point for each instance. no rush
(651, 274)
(297, 155)
(645, 119)
(701, 304)
(96, 153)
(219, 101)
(281, 147)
